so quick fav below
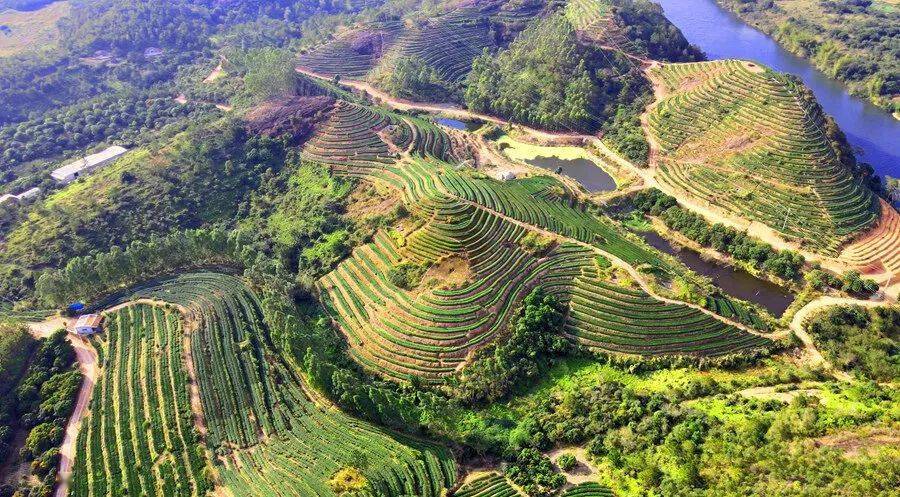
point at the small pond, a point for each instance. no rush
(590, 175)
(460, 125)
(734, 281)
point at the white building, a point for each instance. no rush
(73, 170)
(22, 197)
(89, 324)
(28, 194)
(508, 176)
(152, 52)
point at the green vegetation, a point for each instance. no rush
(548, 79)
(859, 340)
(254, 405)
(851, 41)
(39, 384)
(755, 143)
(312, 294)
(533, 472)
(523, 355)
(784, 264)
(140, 412)
(489, 485)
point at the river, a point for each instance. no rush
(722, 35)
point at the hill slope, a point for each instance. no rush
(756, 144)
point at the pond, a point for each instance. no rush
(592, 177)
(722, 35)
(734, 281)
(460, 125)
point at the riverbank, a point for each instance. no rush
(818, 34)
(723, 35)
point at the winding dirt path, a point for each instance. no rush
(797, 325)
(89, 365)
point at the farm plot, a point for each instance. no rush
(359, 140)
(427, 330)
(589, 489)
(353, 54)
(611, 318)
(750, 141)
(139, 438)
(269, 438)
(490, 485)
(447, 43)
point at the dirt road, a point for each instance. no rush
(88, 364)
(797, 326)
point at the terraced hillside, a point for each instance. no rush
(268, 437)
(878, 251)
(490, 485)
(745, 139)
(472, 242)
(589, 489)
(447, 43)
(140, 436)
(354, 53)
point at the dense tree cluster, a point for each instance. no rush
(785, 264)
(646, 26)
(37, 400)
(123, 118)
(859, 340)
(534, 339)
(547, 78)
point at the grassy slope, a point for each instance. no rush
(26, 31)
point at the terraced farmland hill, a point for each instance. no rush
(446, 43)
(471, 242)
(266, 436)
(745, 139)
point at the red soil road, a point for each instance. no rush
(88, 364)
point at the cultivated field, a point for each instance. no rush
(265, 435)
(25, 31)
(746, 139)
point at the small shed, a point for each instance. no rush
(89, 324)
(508, 176)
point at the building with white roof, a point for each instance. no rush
(22, 197)
(89, 324)
(73, 170)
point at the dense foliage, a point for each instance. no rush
(37, 402)
(859, 340)
(785, 264)
(534, 338)
(549, 79)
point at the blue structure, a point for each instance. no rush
(76, 307)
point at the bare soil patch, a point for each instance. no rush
(855, 443)
(449, 272)
(296, 116)
(367, 200)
